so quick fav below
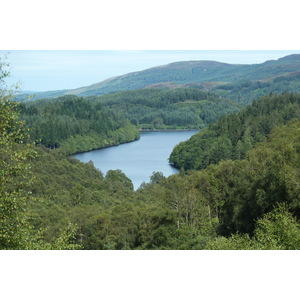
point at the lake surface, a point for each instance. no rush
(139, 159)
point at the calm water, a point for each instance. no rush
(139, 159)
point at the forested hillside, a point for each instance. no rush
(233, 135)
(198, 210)
(245, 91)
(183, 108)
(76, 124)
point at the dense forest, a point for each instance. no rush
(238, 188)
(77, 124)
(232, 136)
(182, 108)
(245, 91)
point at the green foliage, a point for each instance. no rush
(277, 230)
(15, 176)
(233, 135)
(168, 109)
(15, 172)
(244, 91)
(114, 178)
(240, 192)
(157, 177)
(76, 124)
(198, 210)
(76, 193)
(16, 229)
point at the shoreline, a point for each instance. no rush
(165, 130)
(105, 147)
(140, 131)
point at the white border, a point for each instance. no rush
(149, 25)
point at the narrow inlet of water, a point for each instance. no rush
(139, 159)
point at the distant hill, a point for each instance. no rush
(205, 75)
(41, 95)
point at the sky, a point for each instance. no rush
(45, 70)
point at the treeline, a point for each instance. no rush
(245, 91)
(76, 124)
(185, 108)
(233, 135)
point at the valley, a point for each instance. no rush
(236, 182)
(140, 159)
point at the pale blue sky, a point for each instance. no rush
(44, 70)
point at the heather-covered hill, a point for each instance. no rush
(240, 82)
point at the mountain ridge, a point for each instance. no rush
(186, 73)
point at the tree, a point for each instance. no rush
(276, 230)
(117, 180)
(157, 177)
(14, 172)
(15, 180)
